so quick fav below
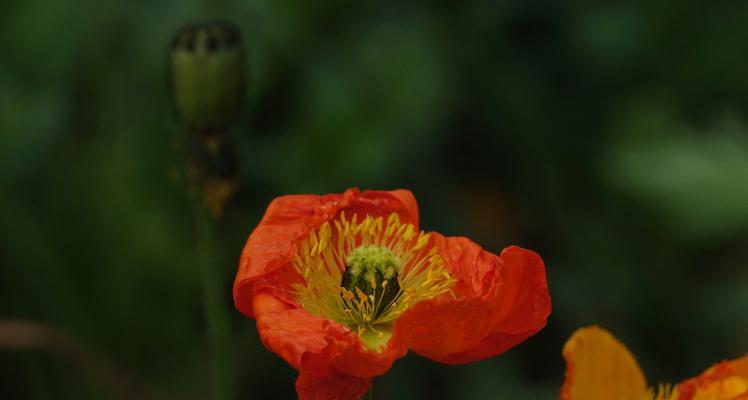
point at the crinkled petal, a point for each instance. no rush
(287, 331)
(727, 380)
(340, 387)
(382, 203)
(322, 350)
(598, 366)
(289, 219)
(498, 302)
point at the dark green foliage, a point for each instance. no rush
(610, 138)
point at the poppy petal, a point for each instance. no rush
(740, 366)
(383, 203)
(598, 366)
(340, 387)
(323, 351)
(498, 302)
(301, 338)
(287, 331)
(289, 219)
(726, 380)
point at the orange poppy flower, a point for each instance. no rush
(598, 366)
(341, 285)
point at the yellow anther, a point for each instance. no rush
(409, 232)
(361, 295)
(423, 239)
(377, 226)
(324, 236)
(393, 219)
(321, 262)
(401, 229)
(338, 226)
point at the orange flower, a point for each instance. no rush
(598, 366)
(341, 285)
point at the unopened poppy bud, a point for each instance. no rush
(206, 74)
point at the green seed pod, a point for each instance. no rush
(206, 76)
(373, 270)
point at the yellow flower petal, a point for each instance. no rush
(740, 366)
(598, 366)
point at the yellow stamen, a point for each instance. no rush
(663, 392)
(405, 258)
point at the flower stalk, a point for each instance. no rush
(207, 84)
(215, 314)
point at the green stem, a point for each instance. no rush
(216, 317)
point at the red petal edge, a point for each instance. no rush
(689, 389)
(332, 362)
(289, 219)
(499, 301)
(338, 387)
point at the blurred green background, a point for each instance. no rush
(610, 138)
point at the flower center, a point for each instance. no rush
(366, 274)
(373, 271)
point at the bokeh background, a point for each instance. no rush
(611, 138)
